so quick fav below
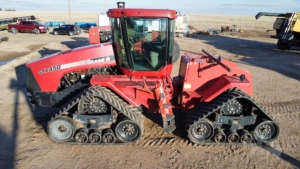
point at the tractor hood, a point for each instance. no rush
(53, 67)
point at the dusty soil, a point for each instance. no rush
(24, 142)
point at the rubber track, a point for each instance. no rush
(126, 109)
(205, 109)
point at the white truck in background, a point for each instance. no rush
(181, 24)
(103, 20)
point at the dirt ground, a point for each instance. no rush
(24, 142)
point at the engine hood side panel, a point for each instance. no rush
(49, 70)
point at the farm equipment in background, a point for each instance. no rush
(181, 24)
(103, 89)
(233, 28)
(5, 21)
(99, 34)
(287, 28)
(102, 32)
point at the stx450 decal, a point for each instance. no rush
(75, 64)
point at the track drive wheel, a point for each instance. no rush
(92, 105)
(127, 130)
(61, 129)
(200, 131)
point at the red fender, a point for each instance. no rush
(224, 83)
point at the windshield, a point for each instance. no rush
(36, 23)
(146, 42)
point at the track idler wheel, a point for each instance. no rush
(245, 136)
(201, 131)
(95, 136)
(265, 130)
(220, 136)
(232, 136)
(61, 129)
(108, 136)
(127, 131)
(82, 136)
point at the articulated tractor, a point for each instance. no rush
(103, 90)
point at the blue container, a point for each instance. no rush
(54, 24)
(85, 25)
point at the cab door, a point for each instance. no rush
(61, 29)
(67, 29)
(23, 27)
(30, 27)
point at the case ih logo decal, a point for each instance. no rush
(75, 64)
(50, 69)
(100, 60)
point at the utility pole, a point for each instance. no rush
(69, 12)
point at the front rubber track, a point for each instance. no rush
(115, 101)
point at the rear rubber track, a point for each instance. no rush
(204, 109)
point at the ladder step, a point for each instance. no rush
(170, 117)
(166, 106)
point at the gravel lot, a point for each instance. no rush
(24, 142)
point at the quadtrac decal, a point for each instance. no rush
(49, 69)
(75, 64)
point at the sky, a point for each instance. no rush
(227, 7)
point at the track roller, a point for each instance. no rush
(108, 136)
(61, 129)
(82, 136)
(245, 136)
(95, 136)
(232, 136)
(220, 136)
(265, 130)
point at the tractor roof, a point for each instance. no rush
(150, 13)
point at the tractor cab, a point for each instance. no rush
(143, 39)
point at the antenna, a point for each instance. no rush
(69, 12)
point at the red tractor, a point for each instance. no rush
(102, 89)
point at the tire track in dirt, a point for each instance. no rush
(282, 111)
(291, 108)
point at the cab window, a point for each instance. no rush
(147, 42)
